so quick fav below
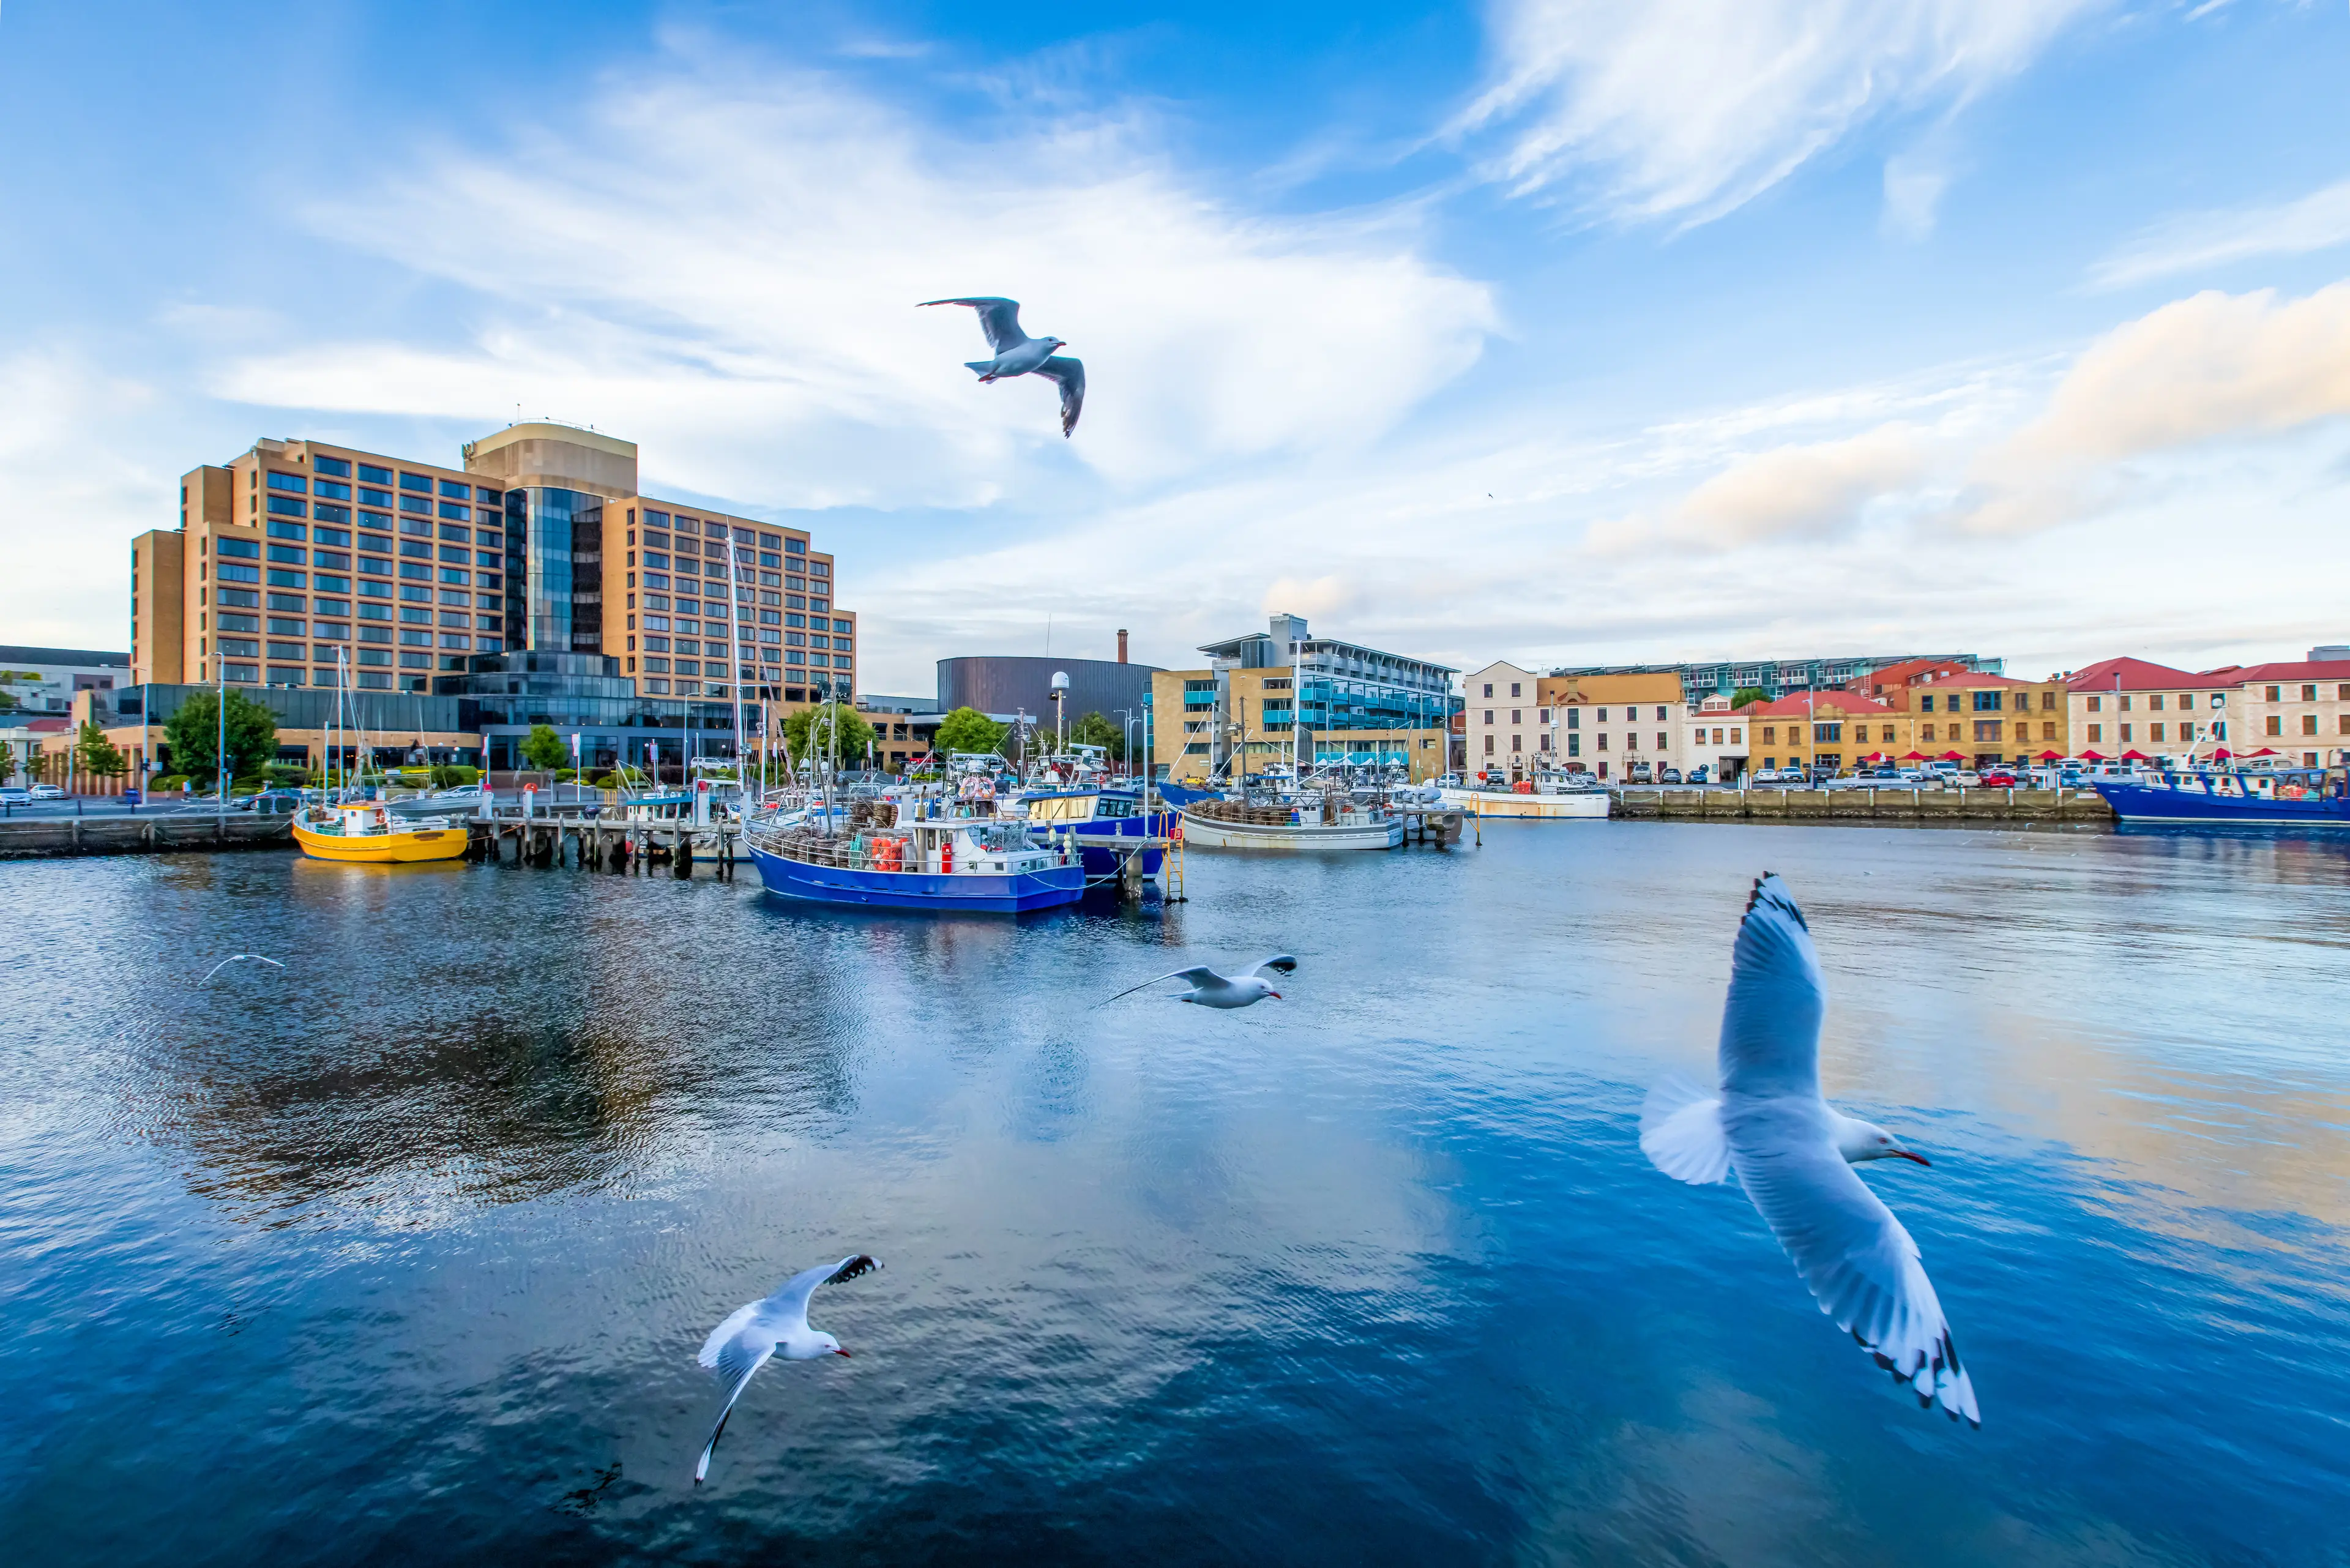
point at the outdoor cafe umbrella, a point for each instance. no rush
(2052, 756)
(1913, 756)
(1954, 756)
(2135, 756)
(2093, 756)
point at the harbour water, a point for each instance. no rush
(403, 1252)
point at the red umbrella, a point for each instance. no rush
(2135, 756)
(2221, 754)
(2093, 756)
(2052, 756)
(1954, 756)
(2267, 751)
(1913, 756)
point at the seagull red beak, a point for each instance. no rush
(1274, 995)
(1921, 1158)
(839, 1352)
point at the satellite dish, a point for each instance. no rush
(1060, 680)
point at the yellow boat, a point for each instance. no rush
(367, 833)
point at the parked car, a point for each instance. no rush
(12, 796)
(1670, 775)
(1762, 776)
(1638, 773)
(1701, 773)
(1998, 778)
(46, 791)
(1965, 778)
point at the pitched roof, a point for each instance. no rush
(2294, 670)
(2137, 675)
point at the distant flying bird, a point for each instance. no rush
(1210, 989)
(237, 957)
(1017, 354)
(1794, 1154)
(777, 1326)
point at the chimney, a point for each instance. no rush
(1121, 645)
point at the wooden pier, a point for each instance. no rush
(597, 843)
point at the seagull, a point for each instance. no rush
(237, 957)
(1017, 354)
(1794, 1154)
(775, 1326)
(1210, 989)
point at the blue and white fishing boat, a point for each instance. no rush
(943, 864)
(2280, 797)
(1106, 823)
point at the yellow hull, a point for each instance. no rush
(424, 843)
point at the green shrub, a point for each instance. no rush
(449, 775)
(169, 780)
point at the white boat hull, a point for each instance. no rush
(1577, 805)
(1207, 833)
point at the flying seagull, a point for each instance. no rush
(1017, 354)
(1794, 1154)
(775, 1326)
(237, 957)
(1210, 989)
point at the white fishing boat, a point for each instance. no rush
(1546, 797)
(1329, 824)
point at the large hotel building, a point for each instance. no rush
(536, 584)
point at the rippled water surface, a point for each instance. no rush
(403, 1252)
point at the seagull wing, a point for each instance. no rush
(787, 1309)
(1279, 964)
(1199, 975)
(1071, 374)
(999, 318)
(1860, 1264)
(1771, 1025)
(736, 1361)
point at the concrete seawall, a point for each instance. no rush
(40, 837)
(1883, 805)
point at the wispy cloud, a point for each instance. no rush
(1684, 110)
(725, 260)
(2198, 242)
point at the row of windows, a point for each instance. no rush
(1574, 714)
(2309, 694)
(2155, 699)
(719, 531)
(295, 484)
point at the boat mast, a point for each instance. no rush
(734, 642)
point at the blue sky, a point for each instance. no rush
(1547, 330)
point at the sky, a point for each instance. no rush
(1547, 330)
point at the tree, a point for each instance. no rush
(809, 733)
(194, 732)
(97, 755)
(968, 730)
(1099, 730)
(544, 749)
(1745, 694)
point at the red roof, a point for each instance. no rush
(1901, 674)
(2137, 675)
(2299, 669)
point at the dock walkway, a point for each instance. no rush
(1872, 805)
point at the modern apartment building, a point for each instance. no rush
(536, 578)
(1271, 696)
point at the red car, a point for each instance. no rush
(1998, 778)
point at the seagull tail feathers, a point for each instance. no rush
(981, 366)
(1682, 1134)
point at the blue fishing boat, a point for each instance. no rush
(946, 865)
(1105, 824)
(2280, 797)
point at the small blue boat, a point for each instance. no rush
(942, 865)
(2282, 798)
(1096, 820)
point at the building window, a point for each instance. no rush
(1517, 743)
(1574, 718)
(2154, 705)
(2154, 732)
(2309, 723)
(2047, 701)
(1541, 743)
(1515, 713)
(1603, 740)
(1822, 734)
(2309, 694)
(2125, 735)
(2276, 723)
(1513, 688)
(1489, 715)
(2097, 731)
(1489, 745)
(1770, 734)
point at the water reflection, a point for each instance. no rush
(413, 1243)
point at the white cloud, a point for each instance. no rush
(1913, 197)
(1687, 109)
(2209, 367)
(2198, 241)
(74, 500)
(725, 263)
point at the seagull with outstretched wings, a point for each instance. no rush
(1017, 354)
(1210, 989)
(776, 1325)
(1794, 1153)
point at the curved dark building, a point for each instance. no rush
(1009, 683)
